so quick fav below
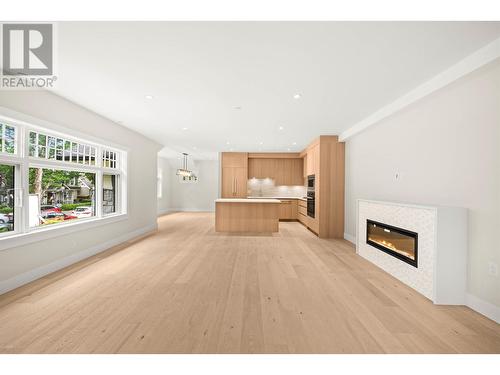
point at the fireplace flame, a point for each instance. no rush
(391, 246)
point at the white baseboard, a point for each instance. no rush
(164, 211)
(483, 307)
(350, 238)
(27, 277)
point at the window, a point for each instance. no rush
(7, 139)
(159, 183)
(56, 196)
(109, 159)
(7, 175)
(50, 180)
(55, 148)
(108, 193)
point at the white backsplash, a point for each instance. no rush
(266, 188)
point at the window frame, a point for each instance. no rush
(118, 195)
(22, 161)
(2, 138)
(17, 210)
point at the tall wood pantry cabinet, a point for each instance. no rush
(234, 174)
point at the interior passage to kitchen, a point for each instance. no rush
(306, 186)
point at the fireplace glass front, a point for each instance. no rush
(398, 242)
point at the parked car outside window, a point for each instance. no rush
(6, 218)
(56, 217)
(49, 208)
(81, 212)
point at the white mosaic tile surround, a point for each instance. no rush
(418, 219)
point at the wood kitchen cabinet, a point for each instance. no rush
(234, 182)
(293, 172)
(261, 168)
(312, 160)
(302, 212)
(235, 159)
(325, 158)
(234, 174)
(288, 209)
(284, 171)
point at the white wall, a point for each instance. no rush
(198, 196)
(164, 202)
(19, 264)
(446, 150)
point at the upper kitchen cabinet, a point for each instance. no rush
(312, 159)
(284, 169)
(234, 174)
(293, 172)
(235, 159)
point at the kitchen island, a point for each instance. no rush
(247, 215)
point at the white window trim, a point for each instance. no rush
(22, 233)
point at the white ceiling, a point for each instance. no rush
(198, 72)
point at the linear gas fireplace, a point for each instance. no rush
(398, 242)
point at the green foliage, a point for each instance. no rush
(6, 187)
(56, 178)
(6, 210)
(6, 176)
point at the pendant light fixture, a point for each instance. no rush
(184, 171)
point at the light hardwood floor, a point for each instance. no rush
(187, 289)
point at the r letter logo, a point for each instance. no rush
(27, 55)
(27, 49)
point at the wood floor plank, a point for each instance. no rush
(188, 289)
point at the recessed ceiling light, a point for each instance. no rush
(297, 96)
(227, 143)
(281, 128)
(294, 143)
(149, 97)
(261, 143)
(184, 128)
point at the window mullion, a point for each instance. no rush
(98, 193)
(24, 186)
(24, 181)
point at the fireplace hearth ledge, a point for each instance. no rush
(441, 274)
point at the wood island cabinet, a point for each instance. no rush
(288, 209)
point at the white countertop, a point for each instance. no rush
(246, 200)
